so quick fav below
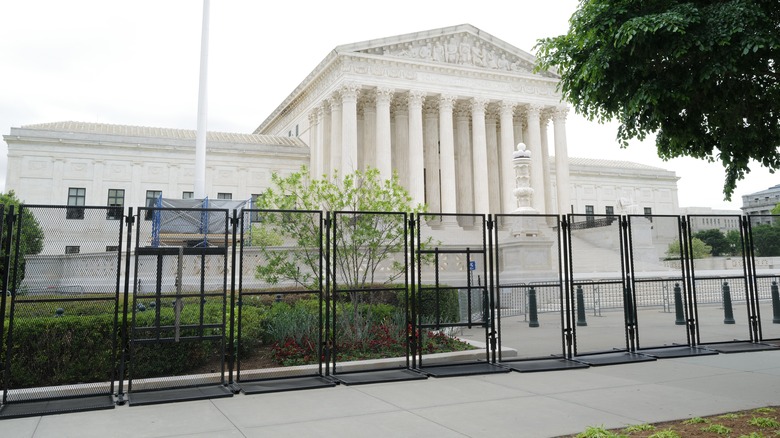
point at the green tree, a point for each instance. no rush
(776, 210)
(734, 238)
(699, 248)
(701, 74)
(364, 241)
(30, 243)
(716, 240)
(766, 240)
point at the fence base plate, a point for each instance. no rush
(281, 385)
(535, 365)
(62, 406)
(379, 376)
(467, 369)
(612, 358)
(178, 394)
(738, 347)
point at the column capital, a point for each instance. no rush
(478, 104)
(560, 113)
(399, 106)
(349, 91)
(447, 101)
(384, 94)
(462, 110)
(415, 98)
(506, 107)
(313, 116)
(334, 101)
(533, 110)
(430, 107)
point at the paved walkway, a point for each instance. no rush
(513, 405)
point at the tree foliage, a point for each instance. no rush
(30, 241)
(766, 240)
(716, 240)
(367, 241)
(701, 74)
(699, 249)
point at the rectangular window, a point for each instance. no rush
(72, 249)
(112, 248)
(649, 213)
(589, 215)
(187, 195)
(151, 200)
(609, 210)
(76, 197)
(224, 196)
(255, 216)
(116, 203)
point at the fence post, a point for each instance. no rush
(775, 304)
(534, 316)
(581, 322)
(678, 306)
(728, 312)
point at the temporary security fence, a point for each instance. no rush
(106, 306)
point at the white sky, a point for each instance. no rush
(137, 62)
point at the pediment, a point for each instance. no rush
(463, 45)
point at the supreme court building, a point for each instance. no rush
(443, 108)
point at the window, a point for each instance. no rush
(224, 196)
(76, 197)
(112, 248)
(609, 210)
(255, 216)
(187, 195)
(116, 203)
(72, 249)
(589, 214)
(151, 200)
(649, 213)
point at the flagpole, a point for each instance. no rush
(200, 137)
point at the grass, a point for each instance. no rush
(755, 423)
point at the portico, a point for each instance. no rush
(443, 108)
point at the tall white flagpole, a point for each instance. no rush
(200, 137)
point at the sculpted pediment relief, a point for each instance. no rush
(459, 49)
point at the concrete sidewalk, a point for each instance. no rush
(515, 404)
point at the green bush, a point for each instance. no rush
(449, 307)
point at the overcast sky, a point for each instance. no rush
(137, 62)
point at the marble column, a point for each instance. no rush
(449, 197)
(368, 148)
(494, 169)
(315, 147)
(547, 183)
(325, 137)
(431, 148)
(479, 156)
(401, 138)
(384, 158)
(349, 158)
(336, 145)
(535, 147)
(416, 157)
(509, 201)
(463, 159)
(561, 160)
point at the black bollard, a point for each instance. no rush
(678, 306)
(533, 320)
(581, 322)
(728, 312)
(775, 304)
(628, 305)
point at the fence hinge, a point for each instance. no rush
(490, 224)
(233, 221)
(129, 219)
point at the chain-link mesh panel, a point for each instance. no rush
(179, 301)
(764, 245)
(453, 303)
(660, 293)
(280, 309)
(370, 309)
(62, 333)
(529, 294)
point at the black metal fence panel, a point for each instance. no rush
(453, 302)
(62, 330)
(370, 309)
(280, 308)
(597, 283)
(178, 307)
(721, 287)
(659, 290)
(764, 252)
(529, 289)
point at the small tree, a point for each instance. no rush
(766, 240)
(30, 241)
(699, 249)
(364, 241)
(716, 240)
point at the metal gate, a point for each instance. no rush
(454, 303)
(369, 301)
(63, 294)
(761, 246)
(178, 308)
(532, 309)
(280, 308)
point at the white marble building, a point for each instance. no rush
(443, 108)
